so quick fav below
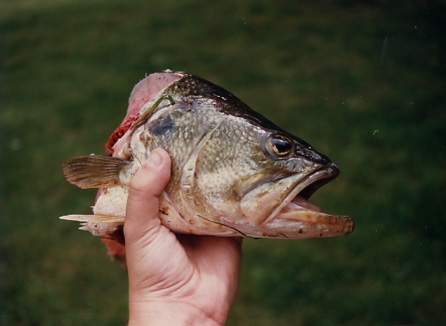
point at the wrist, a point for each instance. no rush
(158, 313)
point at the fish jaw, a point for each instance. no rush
(281, 213)
(263, 202)
(297, 220)
(303, 220)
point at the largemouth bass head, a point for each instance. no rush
(233, 171)
(276, 196)
(271, 180)
(237, 168)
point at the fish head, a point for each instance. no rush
(243, 171)
(274, 198)
(233, 171)
(237, 168)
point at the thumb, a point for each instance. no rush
(143, 201)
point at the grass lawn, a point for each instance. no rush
(362, 81)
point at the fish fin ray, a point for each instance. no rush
(94, 171)
(97, 225)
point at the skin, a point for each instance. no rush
(174, 279)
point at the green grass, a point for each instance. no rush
(363, 83)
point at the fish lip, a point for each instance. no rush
(306, 186)
(318, 178)
(305, 222)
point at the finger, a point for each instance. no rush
(145, 188)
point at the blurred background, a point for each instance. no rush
(362, 81)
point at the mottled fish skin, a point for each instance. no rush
(234, 173)
(195, 87)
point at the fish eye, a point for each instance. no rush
(280, 145)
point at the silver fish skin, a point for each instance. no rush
(234, 173)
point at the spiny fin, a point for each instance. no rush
(94, 171)
(97, 225)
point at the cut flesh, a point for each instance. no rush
(142, 93)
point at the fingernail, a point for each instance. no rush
(154, 160)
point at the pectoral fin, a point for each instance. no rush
(94, 171)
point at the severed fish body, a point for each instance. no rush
(234, 173)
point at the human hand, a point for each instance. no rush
(174, 279)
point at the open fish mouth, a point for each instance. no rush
(316, 180)
(298, 218)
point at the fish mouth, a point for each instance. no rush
(298, 218)
(316, 180)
